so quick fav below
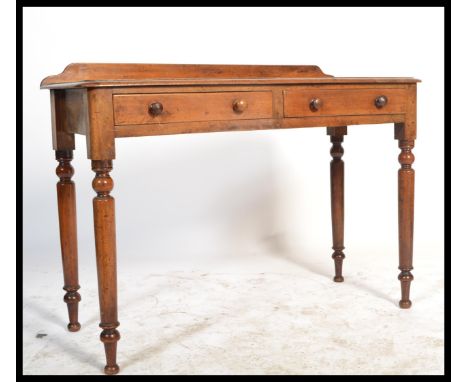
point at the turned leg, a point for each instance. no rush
(104, 231)
(405, 218)
(68, 239)
(337, 197)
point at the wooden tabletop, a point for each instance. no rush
(87, 75)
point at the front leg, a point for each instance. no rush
(405, 219)
(68, 240)
(337, 197)
(104, 231)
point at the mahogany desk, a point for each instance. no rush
(109, 101)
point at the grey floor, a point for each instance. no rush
(252, 315)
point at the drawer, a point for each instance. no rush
(137, 109)
(297, 103)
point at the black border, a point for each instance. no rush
(447, 135)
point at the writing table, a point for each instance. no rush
(109, 101)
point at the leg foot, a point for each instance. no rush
(405, 304)
(72, 298)
(338, 257)
(405, 278)
(111, 369)
(110, 337)
(74, 327)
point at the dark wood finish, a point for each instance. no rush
(156, 108)
(337, 197)
(381, 101)
(184, 107)
(104, 232)
(315, 104)
(108, 101)
(68, 238)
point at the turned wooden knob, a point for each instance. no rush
(315, 104)
(156, 108)
(239, 105)
(381, 101)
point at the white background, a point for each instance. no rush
(219, 195)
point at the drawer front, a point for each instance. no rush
(136, 109)
(297, 103)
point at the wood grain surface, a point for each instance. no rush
(186, 107)
(105, 75)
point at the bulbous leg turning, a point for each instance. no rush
(106, 260)
(337, 198)
(405, 219)
(68, 235)
(110, 337)
(338, 257)
(405, 278)
(72, 298)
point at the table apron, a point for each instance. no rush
(257, 124)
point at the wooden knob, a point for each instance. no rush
(381, 101)
(239, 105)
(155, 108)
(315, 104)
